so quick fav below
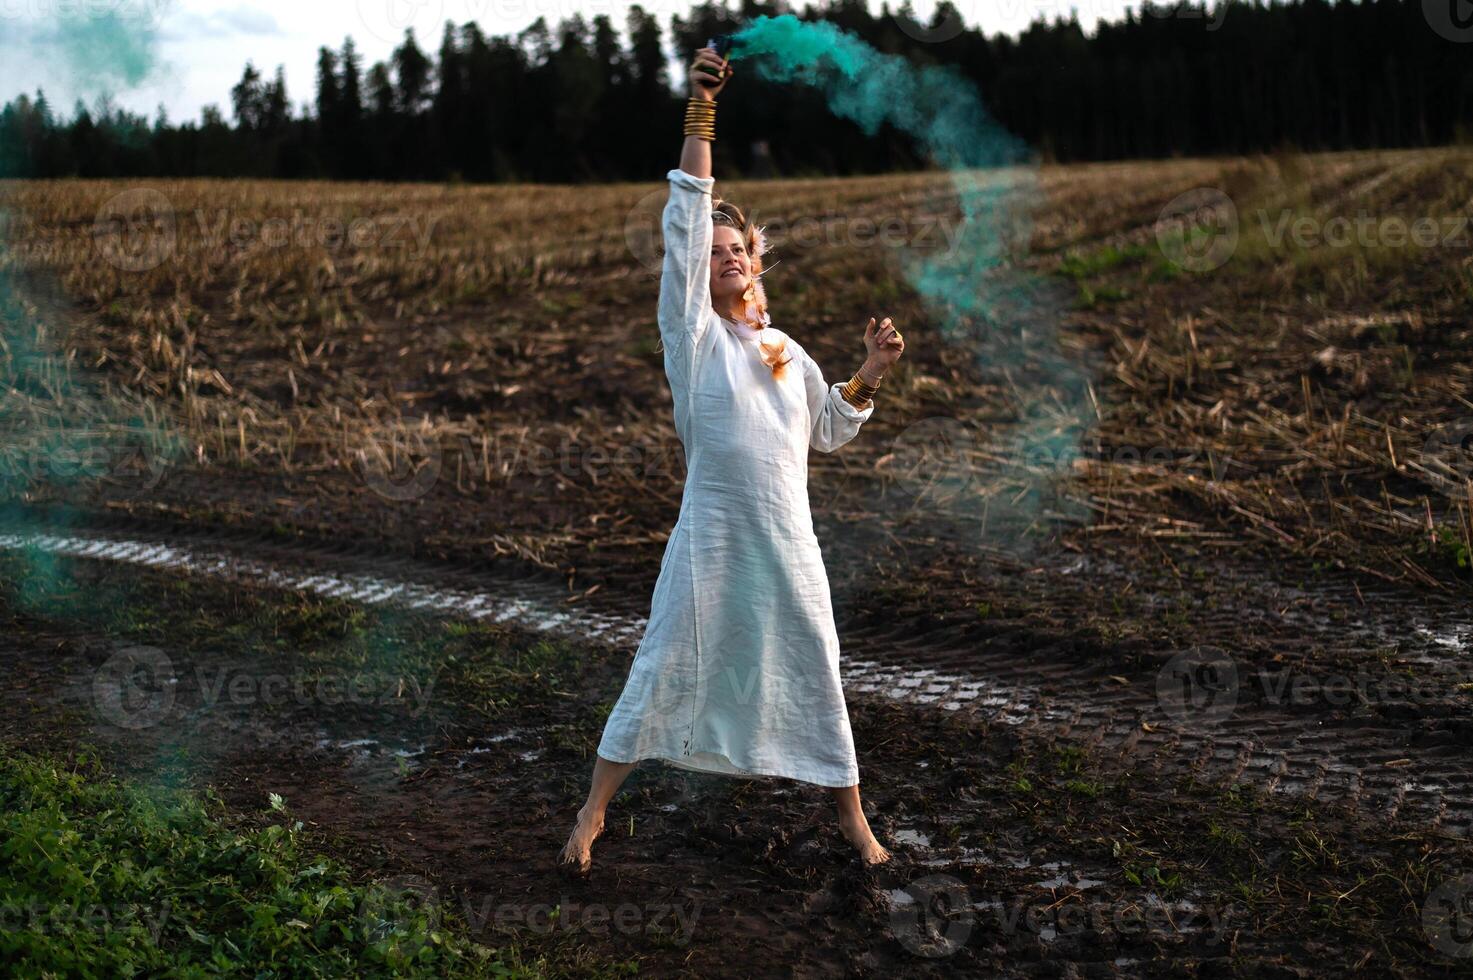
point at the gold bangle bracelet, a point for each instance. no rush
(700, 118)
(856, 396)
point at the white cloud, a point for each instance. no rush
(240, 20)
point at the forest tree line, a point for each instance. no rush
(579, 102)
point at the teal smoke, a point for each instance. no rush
(109, 47)
(60, 436)
(936, 104)
(976, 295)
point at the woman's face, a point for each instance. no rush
(731, 266)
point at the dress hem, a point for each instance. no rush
(684, 762)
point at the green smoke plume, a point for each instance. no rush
(57, 428)
(112, 48)
(976, 295)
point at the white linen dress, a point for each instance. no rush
(738, 669)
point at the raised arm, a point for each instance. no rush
(708, 76)
(685, 276)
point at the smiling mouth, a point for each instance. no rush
(731, 272)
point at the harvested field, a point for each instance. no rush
(1152, 583)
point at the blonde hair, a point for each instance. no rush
(754, 312)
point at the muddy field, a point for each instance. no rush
(1183, 687)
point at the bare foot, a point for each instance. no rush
(577, 852)
(858, 833)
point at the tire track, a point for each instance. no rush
(1392, 770)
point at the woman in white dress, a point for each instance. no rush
(738, 669)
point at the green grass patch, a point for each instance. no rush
(1086, 268)
(1087, 265)
(103, 877)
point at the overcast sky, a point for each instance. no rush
(184, 54)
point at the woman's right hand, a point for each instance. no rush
(705, 71)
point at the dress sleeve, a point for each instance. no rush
(685, 277)
(835, 421)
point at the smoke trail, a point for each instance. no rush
(111, 48)
(977, 297)
(72, 439)
(57, 431)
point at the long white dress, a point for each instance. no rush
(738, 669)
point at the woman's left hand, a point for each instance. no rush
(884, 344)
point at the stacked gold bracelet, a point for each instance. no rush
(700, 118)
(858, 391)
